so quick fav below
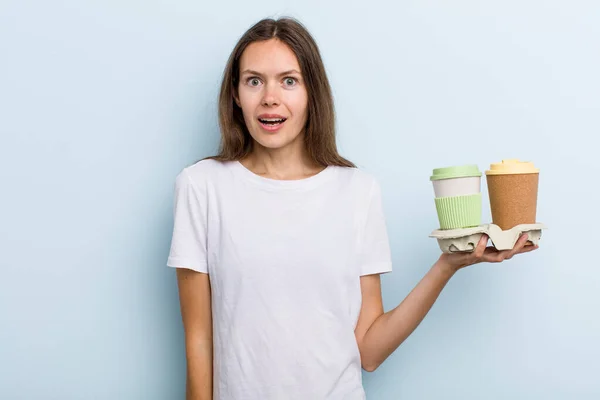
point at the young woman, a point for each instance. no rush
(279, 242)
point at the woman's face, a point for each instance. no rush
(272, 94)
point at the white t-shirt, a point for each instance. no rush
(284, 260)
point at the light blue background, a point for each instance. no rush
(103, 102)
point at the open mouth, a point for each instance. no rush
(272, 121)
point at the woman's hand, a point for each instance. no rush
(482, 253)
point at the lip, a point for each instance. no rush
(262, 116)
(271, 128)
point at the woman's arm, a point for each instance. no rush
(195, 302)
(379, 334)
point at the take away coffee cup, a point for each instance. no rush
(457, 196)
(513, 190)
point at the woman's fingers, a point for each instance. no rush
(483, 253)
(529, 248)
(496, 256)
(481, 247)
(518, 246)
(493, 255)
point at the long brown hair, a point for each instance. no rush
(236, 142)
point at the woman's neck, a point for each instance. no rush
(288, 163)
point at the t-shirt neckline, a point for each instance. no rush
(279, 184)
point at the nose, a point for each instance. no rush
(271, 95)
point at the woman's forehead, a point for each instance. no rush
(271, 57)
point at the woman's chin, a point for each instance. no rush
(273, 141)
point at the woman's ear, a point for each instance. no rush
(236, 99)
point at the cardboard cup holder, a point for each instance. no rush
(466, 239)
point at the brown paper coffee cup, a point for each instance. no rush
(513, 190)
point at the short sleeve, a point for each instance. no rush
(375, 255)
(189, 240)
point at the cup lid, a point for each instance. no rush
(461, 171)
(512, 166)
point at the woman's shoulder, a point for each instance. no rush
(359, 177)
(206, 165)
(203, 171)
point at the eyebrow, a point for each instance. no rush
(251, 72)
